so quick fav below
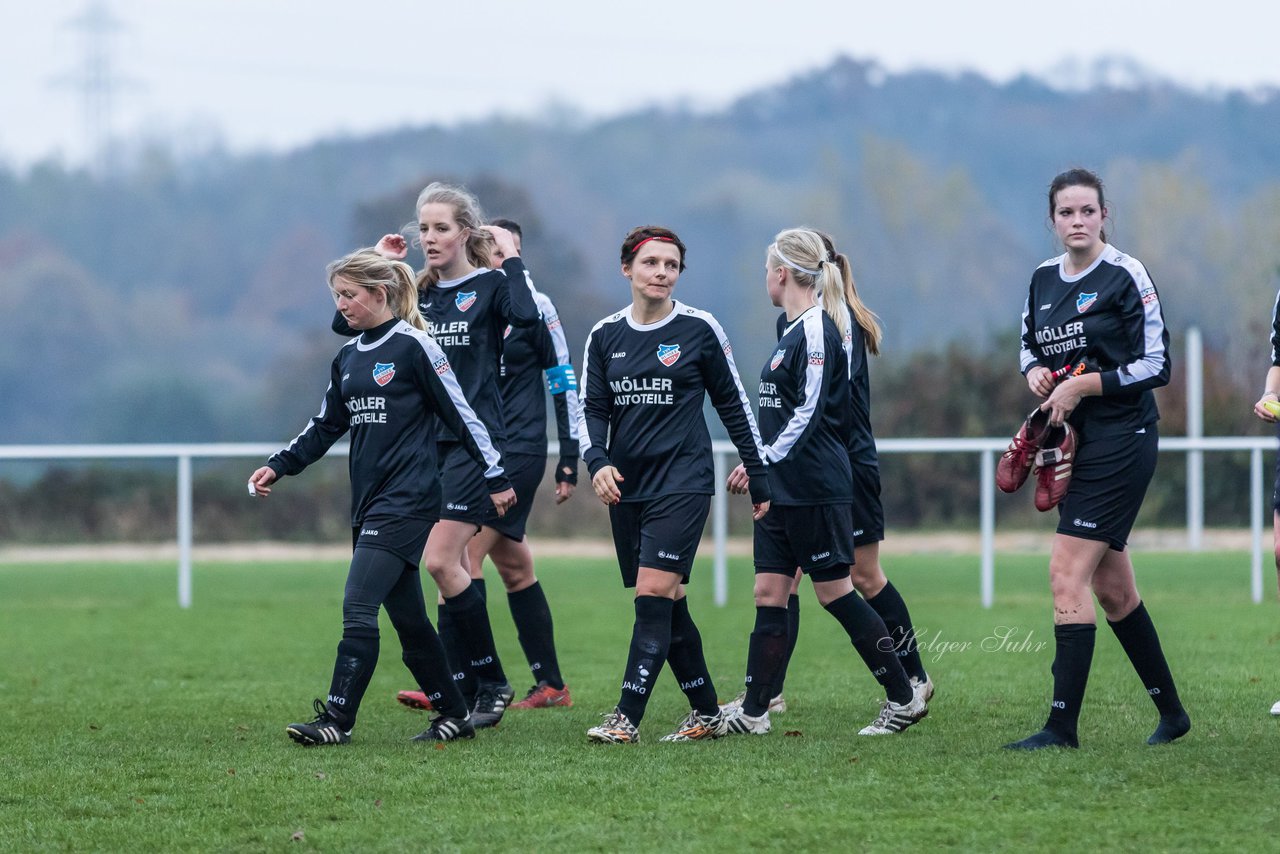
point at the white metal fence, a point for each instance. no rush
(988, 451)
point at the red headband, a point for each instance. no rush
(636, 248)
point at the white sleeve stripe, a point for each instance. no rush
(723, 341)
(1275, 316)
(584, 435)
(315, 419)
(1153, 360)
(1025, 357)
(803, 414)
(561, 344)
(475, 426)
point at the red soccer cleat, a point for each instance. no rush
(1053, 466)
(543, 696)
(414, 700)
(1015, 463)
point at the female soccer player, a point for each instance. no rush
(804, 419)
(1271, 396)
(1095, 302)
(868, 513)
(387, 388)
(535, 360)
(646, 371)
(467, 307)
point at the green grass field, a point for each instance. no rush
(129, 724)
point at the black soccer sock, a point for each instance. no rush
(688, 664)
(476, 635)
(1137, 634)
(357, 657)
(793, 635)
(766, 654)
(892, 609)
(871, 639)
(1071, 662)
(424, 655)
(459, 669)
(532, 616)
(650, 641)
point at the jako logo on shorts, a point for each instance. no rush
(668, 354)
(465, 301)
(383, 372)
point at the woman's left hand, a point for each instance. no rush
(758, 510)
(738, 481)
(1063, 401)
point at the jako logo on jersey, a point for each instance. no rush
(465, 301)
(1084, 301)
(817, 359)
(441, 365)
(383, 372)
(668, 354)
(776, 360)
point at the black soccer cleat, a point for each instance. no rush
(325, 729)
(492, 699)
(445, 728)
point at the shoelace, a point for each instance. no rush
(322, 712)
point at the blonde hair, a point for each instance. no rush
(368, 269)
(803, 253)
(467, 214)
(863, 316)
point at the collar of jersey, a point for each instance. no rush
(800, 317)
(453, 283)
(383, 332)
(1062, 262)
(657, 324)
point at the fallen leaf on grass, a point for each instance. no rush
(298, 836)
(94, 727)
(320, 775)
(231, 771)
(853, 759)
(378, 803)
(793, 733)
(440, 746)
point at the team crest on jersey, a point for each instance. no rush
(383, 372)
(668, 354)
(1085, 301)
(506, 332)
(465, 301)
(776, 360)
(441, 365)
(817, 358)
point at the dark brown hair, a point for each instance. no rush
(1077, 177)
(638, 235)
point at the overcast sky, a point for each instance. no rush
(261, 74)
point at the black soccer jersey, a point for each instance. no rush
(1110, 314)
(642, 393)
(467, 317)
(387, 387)
(1275, 332)
(526, 355)
(805, 414)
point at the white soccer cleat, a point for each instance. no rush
(777, 705)
(894, 718)
(737, 722)
(923, 690)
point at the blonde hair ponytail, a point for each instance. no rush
(368, 269)
(803, 253)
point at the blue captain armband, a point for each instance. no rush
(561, 379)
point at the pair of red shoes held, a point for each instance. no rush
(1045, 450)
